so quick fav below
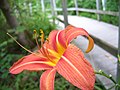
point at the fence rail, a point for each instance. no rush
(88, 10)
(111, 49)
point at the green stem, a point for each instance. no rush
(107, 76)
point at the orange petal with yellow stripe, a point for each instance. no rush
(72, 32)
(90, 45)
(76, 69)
(47, 80)
(57, 40)
(30, 62)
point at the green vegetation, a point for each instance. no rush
(111, 5)
(10, 51)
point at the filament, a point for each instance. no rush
(47, 54)
(23, 46)
(20, 44)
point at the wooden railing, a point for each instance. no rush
(88, 10)
(97, 11)
(111, 49)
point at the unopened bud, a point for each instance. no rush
(110, 75)
(100, 70)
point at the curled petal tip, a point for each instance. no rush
(91, 44)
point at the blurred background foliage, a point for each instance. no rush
(29, 16)
(111, 5)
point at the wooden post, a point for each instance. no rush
(52, 7)
(104, 4)
(76, 7)
(30, 8)
(118, 63)
(98, 8)
(53, 10)
(43, 6)
(65, 14)
(55, 7)
(53, 4)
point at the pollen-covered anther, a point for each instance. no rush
(36, 38)
(41, 31)
(42, 36)
(34, 31)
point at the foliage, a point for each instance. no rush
(10, 51)
(111, 5)
(110, 19)
(31, 18)
(2, 19)
(90, 4)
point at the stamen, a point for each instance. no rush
(20, 44)
(35, 33)
(42, 36)
(47, 39)
(47, 54)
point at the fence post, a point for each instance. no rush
(76, 7)
(53, 4)
(65, 14)
(53, 7)
(98, 8)
(53, 10)
(118, 63)
(43, 6)
(30, 8)
(104, 4)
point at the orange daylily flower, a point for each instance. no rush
(58, 55)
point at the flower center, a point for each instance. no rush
(52, 56)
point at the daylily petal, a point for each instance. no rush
(30, 62)
(76, 69)
(52, 39)
(72, 32)
(91, 44)
(57, 40)
(61, 38)
(47, 80)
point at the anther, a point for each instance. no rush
(42, 36)
(35, 33)
(41, 31)
(47, 39)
